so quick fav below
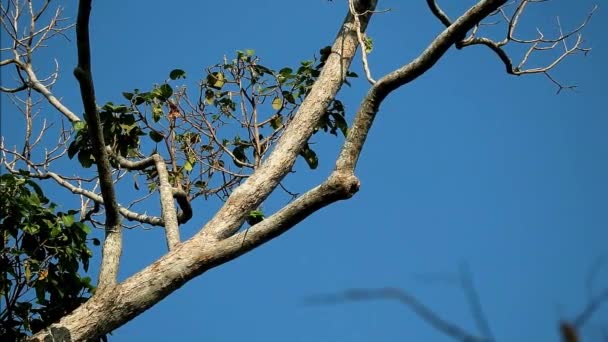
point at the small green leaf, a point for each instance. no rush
(310, 157)
(277, 121)
(209, 95)
(369, 44)
(73, 148)
(28, 272)
(156, 136)
(289, 97)
(216, 80)
(165, 91)
(239, 154)
(255, 217)
(200, 184)
(85, 158)
(79, 125)
(128, 96)
(285, 72)
(157, 112)
(277, 103)
(68, 220)
(176, 74)
(188, 166)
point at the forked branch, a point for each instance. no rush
(563, 42)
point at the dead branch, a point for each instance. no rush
(535, 45)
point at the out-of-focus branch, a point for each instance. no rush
(421, 310)
(112, 247)
(474, 301)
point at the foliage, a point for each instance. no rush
(219, 138)
(41, 253)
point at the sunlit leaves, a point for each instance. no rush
(41, 251)
(216, 80)
(369, 44)
(157, 112)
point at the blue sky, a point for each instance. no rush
(464, 165)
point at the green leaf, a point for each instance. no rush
(165, 91)
(285, 72)
(277, 103)
(79, 125)
(277, 121)
(73, 148)
(156, 136)
(209, 96)
(127, 95)
(216, 80)
(68, 220)
(255, 217)
(85, 158)
(239, 154)
(139, 100)
(341, 123)
(188, 166)
(157, 112)
(369, 44)
(289, 97)
(351, 74)
(310, 157)
(176, 74)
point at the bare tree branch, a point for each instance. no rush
(475, 302)
(535, 45)
(421, 310)
(24, 46)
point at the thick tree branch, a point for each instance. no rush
(193, 257)
(258, 186)
(383, 87)
(112, 247)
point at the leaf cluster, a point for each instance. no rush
(41, 255)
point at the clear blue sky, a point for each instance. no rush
(466, 164)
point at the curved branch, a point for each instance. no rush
(368, 109)
(112, 247)
(420, 309)
(181, 196)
